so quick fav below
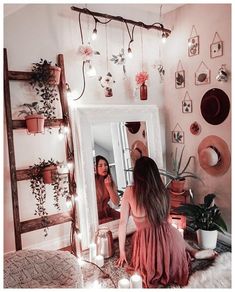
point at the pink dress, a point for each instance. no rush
(159, 255)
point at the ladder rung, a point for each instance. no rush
(21, 124)
(19, 75)
(35, 224)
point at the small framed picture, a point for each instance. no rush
(178, 137)
(202, 77)
(180, 79)
(187, 106)
(216, 49)
(193, 46)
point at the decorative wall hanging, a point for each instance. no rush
(195, 128)
(107, 81)
(216, 47)
(180, 76)
(141, 78)
(215, 106)
(177, 134)
(187, 105)
(120, 59)
(193, 43)
(222, 74)
(202, 75)
(96, 16)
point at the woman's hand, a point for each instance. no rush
(108, 181)
(122, 260)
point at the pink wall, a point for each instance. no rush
(207, 19)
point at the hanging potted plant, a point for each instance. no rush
(205, 219)
(33, 117)
(141, 79)
(44, 80)
(43, 173)
(178, 175)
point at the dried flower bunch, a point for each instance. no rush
(87, 52)
(141, 77)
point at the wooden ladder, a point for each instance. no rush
(21, 227)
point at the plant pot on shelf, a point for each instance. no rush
(55, 75)
(48, 174)
(207, 238)
(35, 123)
(177, 185)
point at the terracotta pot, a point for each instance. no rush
(35, 123)
(55, 75)
(48, 174)
(143, 91)
(177, 186)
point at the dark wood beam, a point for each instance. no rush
(156, 26)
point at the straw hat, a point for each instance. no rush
(138, 150)
(214, 155)
(215, 106)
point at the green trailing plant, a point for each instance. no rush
(41, 82)
(30, 109)
(206, 216)
(179, 172)
(60, 189)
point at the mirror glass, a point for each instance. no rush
(120, 144)
(85, 120)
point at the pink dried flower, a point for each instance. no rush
(86, 52)
(141, 77)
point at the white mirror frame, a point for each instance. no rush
(82, 119)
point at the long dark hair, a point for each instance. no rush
(149, 190)
(97, 159)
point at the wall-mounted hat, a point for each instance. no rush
(138, 149)
(133, 127)
(215, 106)
(214, 155)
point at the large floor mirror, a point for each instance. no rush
(121, 134)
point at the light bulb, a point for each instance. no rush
(91, 72)
(94, 34)
(68, 203)
(130, 55)
(164, 38)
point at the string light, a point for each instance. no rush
(94, 33)
(91, 72)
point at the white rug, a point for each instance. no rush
(217, 276)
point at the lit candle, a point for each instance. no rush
(124, 283)
(99, 260)
(136, 281)
(92, 251)
(181, 230)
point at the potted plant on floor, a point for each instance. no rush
(178, 175)
(42, 173)
(44, 80)
(205, 219)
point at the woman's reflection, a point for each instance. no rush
(106, 191)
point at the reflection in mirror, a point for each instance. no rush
(116, 146)
(84, 118)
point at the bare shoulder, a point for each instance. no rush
(128, 193)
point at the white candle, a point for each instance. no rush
(99, 260)
(181, 230)
(136, 281)
(124, 283)
(92, 251)
(78, 243)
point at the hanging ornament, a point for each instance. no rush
(120, 59)
(107, 82)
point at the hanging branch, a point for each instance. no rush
(156, 25)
